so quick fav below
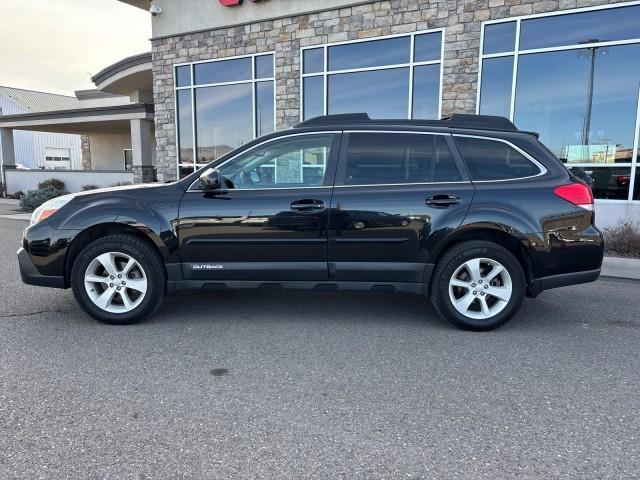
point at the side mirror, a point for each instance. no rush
(210, 179)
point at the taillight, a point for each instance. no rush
(623, 180)
(576, 193)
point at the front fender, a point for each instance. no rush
(152, 211)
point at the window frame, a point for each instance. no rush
(330, 174)
(411, 65)
(517, 52)
(193, 87)
(340, 176)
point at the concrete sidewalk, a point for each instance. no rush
(24, 217)
(621, 267)
(9, 206)
(10, 210)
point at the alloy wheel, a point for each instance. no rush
(480, 288)
(115, 282)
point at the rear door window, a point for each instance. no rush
(489, 159)
(375, 158)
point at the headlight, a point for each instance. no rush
(49, 207)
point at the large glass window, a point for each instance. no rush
(600, 25)
(499, 37)
(391, 77)
(576, 81)
(374, 53)
(296, 161)
(223, 120)
(394, 158)
(185, 126)
(380, 93)
(221, 105)
(495, 98)
(222, 71)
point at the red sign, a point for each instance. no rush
(232, 3)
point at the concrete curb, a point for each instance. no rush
(23, 217)
(617, 267)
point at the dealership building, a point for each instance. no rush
(226, 71)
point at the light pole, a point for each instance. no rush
(591, 52)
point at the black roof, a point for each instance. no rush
(462, 121)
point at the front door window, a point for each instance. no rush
(291, 162)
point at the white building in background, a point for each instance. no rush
(42, 150)
(100, 137)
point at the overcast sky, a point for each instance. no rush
(56, 45)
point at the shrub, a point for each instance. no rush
(120, 184)
(623, 240)
(18, 195)
(34, 198)
(89, 187)
(51, 183)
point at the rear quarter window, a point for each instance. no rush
(489, 159)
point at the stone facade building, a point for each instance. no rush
(199, 31)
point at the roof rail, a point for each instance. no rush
(457, 120)
(481, 122)
(336, 119)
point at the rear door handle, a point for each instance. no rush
(307, 205)
(442, 201)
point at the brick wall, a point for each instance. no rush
(285, 36)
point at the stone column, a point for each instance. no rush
(86, 152)
(142, 145)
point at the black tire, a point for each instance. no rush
(452, 260)
(139, 250)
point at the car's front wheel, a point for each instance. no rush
(478, 285)
(118, 279)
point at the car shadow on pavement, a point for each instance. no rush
(365, 308)
(348, 308)
(300, 307)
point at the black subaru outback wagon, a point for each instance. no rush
(467, 210)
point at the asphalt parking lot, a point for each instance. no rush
(304, 385)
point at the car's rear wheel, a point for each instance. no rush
(478, 285)
(118, 279)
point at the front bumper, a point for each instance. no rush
(32, 276)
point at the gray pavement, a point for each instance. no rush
(9, 206)
(327, 385)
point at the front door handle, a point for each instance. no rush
(442, 201)
(307, 205)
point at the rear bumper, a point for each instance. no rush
(563, 257)
(563, 280)
(32, 276)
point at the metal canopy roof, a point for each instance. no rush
(35, 101)
(112, 119)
